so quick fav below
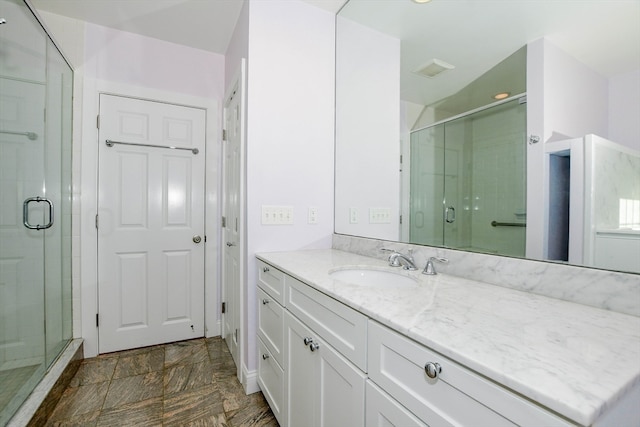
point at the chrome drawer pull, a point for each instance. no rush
(265, 356)
(432, 369)
(265, 269)
(265, 301)
(307, 340)
(314, 346)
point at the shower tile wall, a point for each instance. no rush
(498, 182)
(616, 176)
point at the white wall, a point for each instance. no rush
(238, 47)
(624, 109)
(565, 99)
(290, 133)
(367, 91)
(107, 60)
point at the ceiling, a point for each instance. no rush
(475, 35)
(202, 24)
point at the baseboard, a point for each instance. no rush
(215, 331)
(250, 380)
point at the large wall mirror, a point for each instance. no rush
(503, 127)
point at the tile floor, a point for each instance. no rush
(188, 383)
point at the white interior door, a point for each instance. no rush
(150, 223)
(232, 227)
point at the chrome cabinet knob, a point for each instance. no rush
(197, 239)
(432, 369)
(229, 244)
(265, 301)
(265, 269)
(307, 340)
(265, 356)
(314, 346)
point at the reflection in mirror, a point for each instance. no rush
(500, 127)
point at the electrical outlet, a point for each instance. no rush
(313, 215)
(353, 216)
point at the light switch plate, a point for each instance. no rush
(277, 215)
(379, 216)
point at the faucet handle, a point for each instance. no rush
(429, 269)
(393, 260)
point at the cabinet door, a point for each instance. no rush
(384, 411)
(341, 389)
(271, 325)
(271, 381)
(323, 388)
(300, 366)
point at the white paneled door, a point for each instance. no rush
(150, 223)
(232, 223)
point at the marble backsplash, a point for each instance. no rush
(609, 290)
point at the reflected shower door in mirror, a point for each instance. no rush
(467, 182)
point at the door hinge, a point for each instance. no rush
(98, 121)
(224, 134)
(235, 338)
(224, 222)
(96, 221)
(205, 239)
(400, 219)
(224, 307)
(97, 320)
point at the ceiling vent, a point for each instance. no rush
(433, 68)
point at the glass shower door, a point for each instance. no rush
(427, 186)
(35, 214)
(468, 182)
(21, 249)
(57, 173)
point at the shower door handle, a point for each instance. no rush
(450, 214)
(25, 213)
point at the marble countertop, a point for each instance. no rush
(574, 359)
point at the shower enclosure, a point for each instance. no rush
(468, 181)
(35, 203)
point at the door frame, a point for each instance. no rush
(87, 237)
(249, 380)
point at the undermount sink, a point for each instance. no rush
(373, 278)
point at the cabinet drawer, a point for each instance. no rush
(456, 397)
(271, 381)
(271, 325)
(342, 327)
(271, 280)
(384, 411)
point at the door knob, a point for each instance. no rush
(197, 239)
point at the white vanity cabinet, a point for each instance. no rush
(383, 410)
(323, 388)
(312, 354)
(455, 396)
(271, 377)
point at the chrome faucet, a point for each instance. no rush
(397, 259)
(429, 269)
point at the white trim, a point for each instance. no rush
(250, 382)
(89, 201)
